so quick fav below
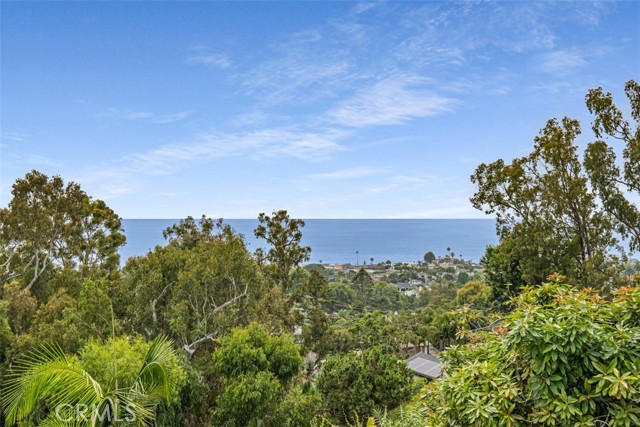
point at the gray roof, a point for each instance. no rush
(425, 365)
(405, 285)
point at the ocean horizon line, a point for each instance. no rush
(341, 240)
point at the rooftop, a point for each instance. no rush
(425, 365)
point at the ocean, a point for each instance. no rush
(341, 241)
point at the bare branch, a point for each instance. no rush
(191, 348)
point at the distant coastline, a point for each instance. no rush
(349, 241)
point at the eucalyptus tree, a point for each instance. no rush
(558, 212)
(193, 289)
(49, 224)
(616, 187)
(547, 216)
(284, 236)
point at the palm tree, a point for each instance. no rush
(51, 378)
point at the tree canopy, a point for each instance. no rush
(255, 369)
(51, 224)
(284, 236)
(559, 213)
(615, 187)
(353, 385)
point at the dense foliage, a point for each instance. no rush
(353, 384)
(563, 357)
(255, 370)
(52, 388)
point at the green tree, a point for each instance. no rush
(6, 335)
(212, 292)
(70, 322)
(616, 188)
(254, 368)
(118, 360)
(336, 339)
(188, 233)
(463, 277)
(503, 274)
(284, 236)
(438, 295)
(48, 224)
(429, 257)
(563, 357)
(556, 213)
(48, 387)
(316, 320)
(197, 287)
(21, 307)
(339, 294)
(247, 399)
(474, 293)
(55, 323)
(354, 385)
(387, 297)
(363, 284)
(437, 326)
(547, 216)
(299, 408)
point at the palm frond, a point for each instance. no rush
(64, 420)
(46, 375)
(154, 378)
(138, 407)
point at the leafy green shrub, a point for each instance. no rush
(254, 370)
(564, 357)
(354, 385)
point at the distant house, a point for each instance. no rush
(403, 286)
(425, 365)
(340, 266)
(409, 288)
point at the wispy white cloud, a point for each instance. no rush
(170, 118)
(560, 61)
(363, 7)
(30, 160)
(13, 136)
(122, 177)
(358, 172)
(309, 65)
(206, 56)
(391, 101)
(134, 115)
(294, 78)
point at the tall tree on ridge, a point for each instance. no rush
(284, 234)
(612, 185)
(556, 213)
(49, 224)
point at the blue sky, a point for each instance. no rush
(326, 109)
